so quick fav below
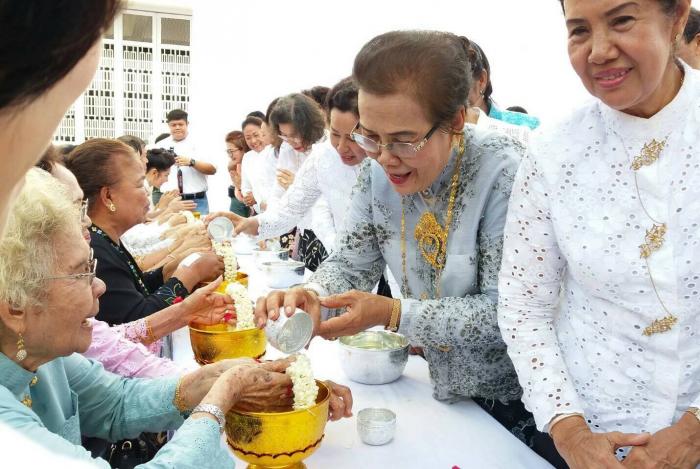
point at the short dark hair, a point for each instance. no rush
(692, 27)
(176, 115)
(42, 41)
(160, 159)
(317, 93)
(303, 113)
(343, 97)
(667, 6)
(258, 114)
(433, 66)
(519, 109)
(161, 137)
(95, 164)
(49, 159)
(251, 120)
(134, 142)
(236, 138)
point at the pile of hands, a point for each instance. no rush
(250, 385)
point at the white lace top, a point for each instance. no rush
(319, 218)
(323, 175)
(258, 175)
(575, 296)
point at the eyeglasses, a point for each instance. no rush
(90, 274)
(83, 211)
(297, 140)
(403, 150)
(231, 152)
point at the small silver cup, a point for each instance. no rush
(376, 426)
(290, 334)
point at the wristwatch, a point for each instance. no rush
(192, 162)
(212, 410)
(694, 411)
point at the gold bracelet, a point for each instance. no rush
(395, 314)
(150, 338)
(178, 401)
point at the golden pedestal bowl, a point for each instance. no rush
(218, 342)
(241, 278)
(278, 440)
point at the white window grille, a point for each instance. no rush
(144, 72)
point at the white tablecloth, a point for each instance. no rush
(429, 434)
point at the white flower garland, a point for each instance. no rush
(243, 304)
(225, 250)
(303, 382)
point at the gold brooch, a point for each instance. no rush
(432, 240)
(653, 240)
(27, 400)
(649, 154)
(660, 325)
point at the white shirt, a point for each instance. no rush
(322, 175)
(319, 218)
(192, 180)
(258, 174)
(575, 296)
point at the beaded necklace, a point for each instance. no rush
(135, 272)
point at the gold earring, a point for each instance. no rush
(458, 143)
(21, 351)
(112, 207)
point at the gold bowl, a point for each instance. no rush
(218, 342)
(221, 341)
(279, 440)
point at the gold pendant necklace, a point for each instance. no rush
(656, 235)
(430, 235)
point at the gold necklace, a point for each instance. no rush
(655, 236)
(431, 236)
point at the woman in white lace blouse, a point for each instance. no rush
(330, 172)
(599, 283)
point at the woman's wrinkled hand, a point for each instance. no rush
(207, 307)
(583, 449)
(340, 401)
(677, 446)
(362, 311)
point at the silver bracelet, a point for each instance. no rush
(212, 410)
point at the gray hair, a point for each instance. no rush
(42, 211)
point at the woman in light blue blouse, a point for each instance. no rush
(51, 394)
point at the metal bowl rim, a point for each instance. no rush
(205, 332)
(344, 344)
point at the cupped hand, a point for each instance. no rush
(285, 178)
(179, 205)
(249, 199)
(268, 307)
(207, 307)
(362, 311)
(583, 449)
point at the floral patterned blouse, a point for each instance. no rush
(458, 330)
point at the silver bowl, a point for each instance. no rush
(243, 244)
(265, 255)
(290, 334)
(376, 426)
(220, 228)
(374, 357)
(283, 274)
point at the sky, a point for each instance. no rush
(244, 54)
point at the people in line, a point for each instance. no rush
(598, 290)
(112, 181)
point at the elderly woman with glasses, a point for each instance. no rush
(48, 293)
(431, 206)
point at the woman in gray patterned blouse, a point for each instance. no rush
(430, 204)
